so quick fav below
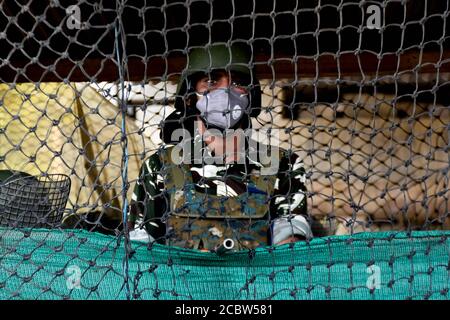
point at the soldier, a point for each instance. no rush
(198, 203)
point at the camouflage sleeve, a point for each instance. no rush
(136, 212)
(148, 200)
(289, 208)
(289, 195)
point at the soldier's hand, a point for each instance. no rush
(291, 239)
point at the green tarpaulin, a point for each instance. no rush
(73, 264)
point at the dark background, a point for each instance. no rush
(165, 29)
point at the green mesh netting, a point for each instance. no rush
(40, 265)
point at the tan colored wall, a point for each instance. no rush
(381, 145)
(84, 143)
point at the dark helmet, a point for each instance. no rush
(236, 57)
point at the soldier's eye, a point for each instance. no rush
(242, 89)
(238, 84)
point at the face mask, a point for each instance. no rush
(223, 107)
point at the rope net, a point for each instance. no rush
(352, 95)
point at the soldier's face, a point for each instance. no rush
(221, 79)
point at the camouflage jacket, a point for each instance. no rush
(199, 205)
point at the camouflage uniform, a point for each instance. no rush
(198, 206)
(180, 207)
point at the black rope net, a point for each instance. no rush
(354, 92)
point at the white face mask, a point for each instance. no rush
(223, 107)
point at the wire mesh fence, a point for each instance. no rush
(111, 186)
(28, 202)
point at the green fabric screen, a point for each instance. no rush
(39, 264)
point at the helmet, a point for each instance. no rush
(236, 57)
